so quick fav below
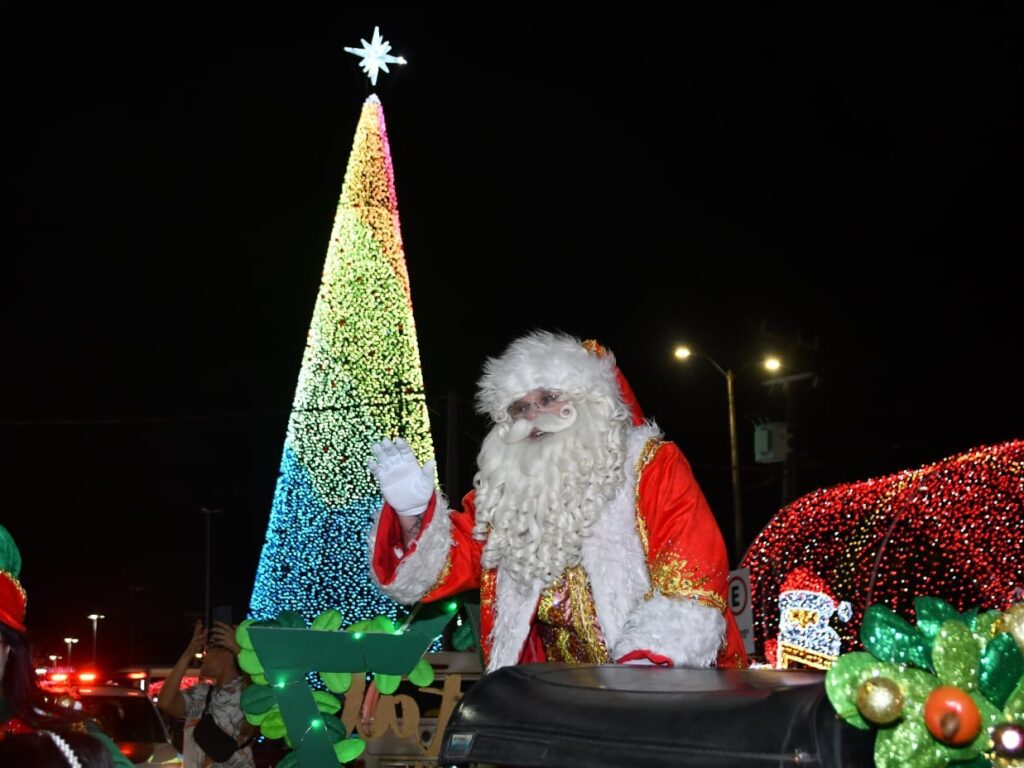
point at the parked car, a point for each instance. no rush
(132, 721)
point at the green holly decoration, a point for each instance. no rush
(965, 650)
(260, 703)
(890, 637)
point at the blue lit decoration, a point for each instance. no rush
(806, 638)
(360, 381)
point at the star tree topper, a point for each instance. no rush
(375, 56)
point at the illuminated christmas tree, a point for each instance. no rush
(360, 382)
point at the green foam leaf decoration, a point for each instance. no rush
(326, 702)
(337, 682)
(249, 662)
(273, 725)
(909, 745)
(984, 626)
(349, 749)
(890, 637)
(932, 613)
(242, 635)
(387, 684)
(328, 621)
(1014, 706)
(955, 655)
(915, 684)
(258, 699)
(335, 728)
(1001, 668)
(255, 719)
(382, 624)
(422, 674)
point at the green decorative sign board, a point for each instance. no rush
(280, 655)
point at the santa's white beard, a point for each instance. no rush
(536, 499)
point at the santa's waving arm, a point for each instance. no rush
(419, 550)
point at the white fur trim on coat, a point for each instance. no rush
(612, 556)
(687, 632)
(417, 572)
(544, 360)
(514, 611)
(612, 553)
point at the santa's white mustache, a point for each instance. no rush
(545, 422)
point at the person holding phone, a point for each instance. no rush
(218, 696)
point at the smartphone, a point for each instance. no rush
(221, 613)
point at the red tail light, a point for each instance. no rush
(87, 677)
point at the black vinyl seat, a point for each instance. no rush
(540, 715)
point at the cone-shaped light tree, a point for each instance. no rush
(360, 382)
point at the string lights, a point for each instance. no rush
(360, 381)
(953, 529)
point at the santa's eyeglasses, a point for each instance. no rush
(539, 400)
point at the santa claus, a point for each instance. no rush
(586, 532)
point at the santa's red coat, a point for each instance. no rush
(654, 570)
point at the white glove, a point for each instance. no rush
(405, 485)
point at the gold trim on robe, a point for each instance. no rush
(567, 621)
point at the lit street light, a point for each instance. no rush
(53, 660)
(95, 619)
(70, 641)
(771, 364)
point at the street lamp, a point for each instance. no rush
(95, 619)
(53, 660)
(70, 641)
(773, 364)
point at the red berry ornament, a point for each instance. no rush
(952, 716)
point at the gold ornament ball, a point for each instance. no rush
(880, 700)
(1013, 622)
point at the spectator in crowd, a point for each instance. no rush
(221, 699)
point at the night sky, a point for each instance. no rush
(843, 190)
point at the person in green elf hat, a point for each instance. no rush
(23, 704)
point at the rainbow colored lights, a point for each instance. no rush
(953, 529)
(360, 381)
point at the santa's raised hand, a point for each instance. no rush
(405, 485)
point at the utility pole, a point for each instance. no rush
(208, 513)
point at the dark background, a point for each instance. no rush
(840, 188)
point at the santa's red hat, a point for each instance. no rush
(12, 595)
(805, 579)
(545, 360)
